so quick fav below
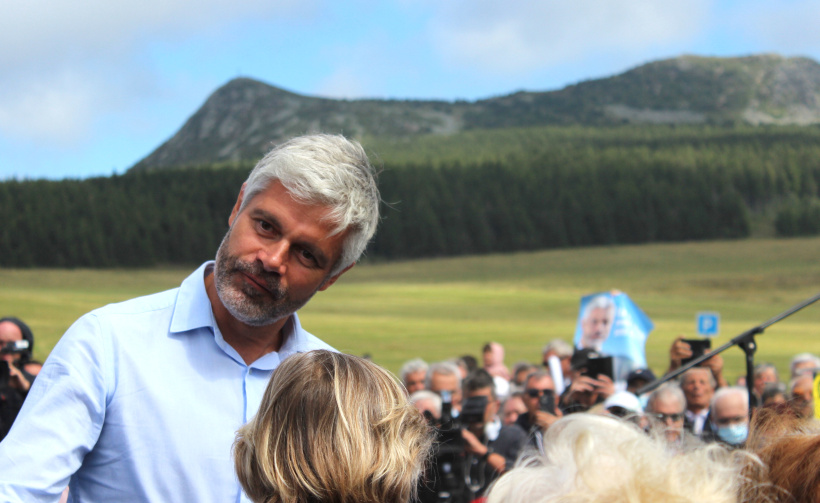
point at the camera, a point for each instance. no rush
(10, 348)
(472, 410)
(448, 476)
(14, 347)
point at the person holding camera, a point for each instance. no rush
(591, 381)
(16, 341)
(539, 397)
(471, 450)
(492, 447)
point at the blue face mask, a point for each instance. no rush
(734, 434)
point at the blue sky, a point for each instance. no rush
(89, 87)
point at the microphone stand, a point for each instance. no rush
(745, 341)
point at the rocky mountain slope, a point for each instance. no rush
(244, 117)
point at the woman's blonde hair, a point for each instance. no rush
(597, 459)
(332, 428)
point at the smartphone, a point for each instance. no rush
(699, 347)
(546, 402)
(599, 366)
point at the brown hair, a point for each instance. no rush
(332, 428)
(789, 448)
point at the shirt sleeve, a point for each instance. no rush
(60, 420)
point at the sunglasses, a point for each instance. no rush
(618, 411)
(534, 393)
(663, 417)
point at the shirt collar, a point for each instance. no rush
(193, 310)
(193, 307)
(696, 415)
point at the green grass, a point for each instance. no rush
(437, 309)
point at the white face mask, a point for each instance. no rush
(491, 430)
(734, 434)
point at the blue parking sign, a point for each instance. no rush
(708, 324)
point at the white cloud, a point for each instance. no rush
(85, 28)
(56, 110)
(522, 36)
(67, 64)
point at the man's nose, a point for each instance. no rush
(274, 256)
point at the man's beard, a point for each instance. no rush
(246, 303)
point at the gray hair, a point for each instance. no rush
(729, 390)
(328, 170)
(561, 347)
(411, 366)
(603, 301)
(762, 367)
(443, 368)
(803, 358)
(668, 390)
(425, 395)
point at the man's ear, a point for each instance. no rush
(235, 210)
(333, 279)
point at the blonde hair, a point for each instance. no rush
(591, 459)
(332, 428)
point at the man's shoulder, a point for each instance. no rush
(313, 343)
(301, 340)
(139, 305)
(512, 433)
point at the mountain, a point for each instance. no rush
(242, 119)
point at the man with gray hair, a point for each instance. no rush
(140, 401)
(427, 402)
(665, 408)
(804, 363)
(444, 379)
(413, 374)
(730, 416)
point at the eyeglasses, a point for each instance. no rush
(723, 421)
(534, 393)
(675, 417)
(618, 411)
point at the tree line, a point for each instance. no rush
(626, 186)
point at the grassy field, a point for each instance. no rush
(437, 309)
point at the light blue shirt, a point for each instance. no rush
(140, 402)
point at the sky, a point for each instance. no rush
(90, 87)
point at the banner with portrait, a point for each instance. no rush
(615, 326)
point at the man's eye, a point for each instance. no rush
(307, 257)
(265, 226)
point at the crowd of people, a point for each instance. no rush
(697, 409)
(213, 391)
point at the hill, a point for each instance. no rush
(242, 118)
